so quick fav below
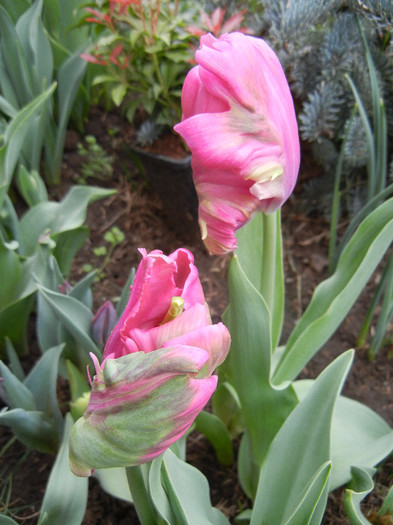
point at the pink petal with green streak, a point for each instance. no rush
(239, 123)
(147, 402)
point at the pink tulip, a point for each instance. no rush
(156, 373)
(240, 125)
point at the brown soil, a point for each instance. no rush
(137, 211)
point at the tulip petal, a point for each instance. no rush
(215, 339)
(146, 403)
(157, 280)
(149, 340)
(239, 123)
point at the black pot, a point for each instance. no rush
(172, 180)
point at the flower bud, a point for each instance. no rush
(240, 125)
(103, 323)
(156, 374)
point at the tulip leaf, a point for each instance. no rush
(49, 218)
(10, 266)
(13, 360)
(14, 138)
(33, 428)
(65, 496)
(82, 289)
(359, 436)
(67, 246)
(18, 394)
(213, 428)
(248, 364)
(42, 382)
(158, 493)
(361, 485)
(114, 482)
(305, 434)
(262, 263)
(312, 504)
(187, 491)
(334, 297)
(75, 317)
(226, 405)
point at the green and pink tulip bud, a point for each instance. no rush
(240, 125)
(157, 369)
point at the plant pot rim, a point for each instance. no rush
(183, 161)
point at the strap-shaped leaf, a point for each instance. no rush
(361, 485)
(187, 492)
(42, 382)
(359, 436)
(56, 217)
(14, 138)
(32, 427)
(17, 393)
(299, 451)
(334, 297)
(74, 315)
(65, 496)
(248, 364)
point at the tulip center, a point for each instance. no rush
(174, 310)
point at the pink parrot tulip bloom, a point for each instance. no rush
(157, 369)
(240, 125)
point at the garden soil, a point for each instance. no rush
(137, 211)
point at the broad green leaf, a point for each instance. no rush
(15, 8)
(75, 317)
(14, 63)
(69, 78)
(33, 428)
(68, 244)
(114, 482)
(248, 364)
(313, 502)
(65, 496)
(334, 297)
(42, 383)
(213, 428)
(11, 267)
(361, 485)
(188, 493)
(226, 405)
(48, 218)
(359, 436)
(260, 256)
(13, 325)
(299, 451)
(18, 394)
(158, 494)
(15, 136)
(36, 46)
(13, 361)
(31, 186)
(82, 290)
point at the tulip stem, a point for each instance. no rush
(269, 258)
(140, 496)
(272, 280)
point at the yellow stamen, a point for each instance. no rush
(175, 309)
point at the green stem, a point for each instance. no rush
(140, 496)
(269, 247)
